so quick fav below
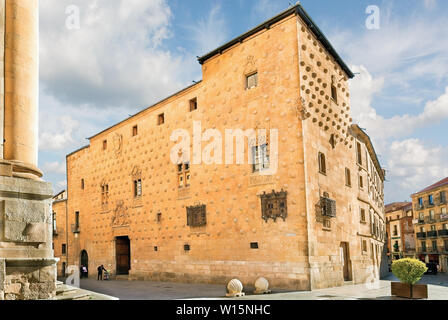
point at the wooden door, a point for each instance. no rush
(123, 255)
(345, 260)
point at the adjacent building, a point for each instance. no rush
(303, 208)
(400, 230)
(431, 223)
(59, 207)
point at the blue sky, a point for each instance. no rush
(128, 54)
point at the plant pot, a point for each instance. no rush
(404, 290)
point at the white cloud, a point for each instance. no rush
(50, 140)
(115, 59)
(210, 32)
(266, 9)
(412, 165)
(430, 4)
(54, 167)
(363, 89)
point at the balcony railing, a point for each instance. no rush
(431, 234)
(422, 250)
(433, 250)
(421, 235)
(443, 249)
(443, 233)
(429, 204)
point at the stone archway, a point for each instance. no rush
(84, 261)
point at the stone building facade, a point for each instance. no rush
(431, 223)
(59, 231)
(400, 230)
(314, 222)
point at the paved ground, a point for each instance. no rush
(145, 290)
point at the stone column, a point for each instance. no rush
(27, 263)
(21, 87)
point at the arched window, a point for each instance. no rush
(322, 164)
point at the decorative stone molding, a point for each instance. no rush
(117, 144)
(121, 215)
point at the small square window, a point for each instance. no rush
(156, 249)
(187, 247)
(327, 224)
(252, 80)
(193, 104)
(254, 245)
(161, 119)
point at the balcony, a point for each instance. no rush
(421, 221)
(443, 233)
(443, 249)
(431, 219)
(440, 200)
(419, 206)
(431, 234)
(75, 228)
(433, 250)
(422, 250)
(421, 235)
(429, 204)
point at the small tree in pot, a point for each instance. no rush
(409, 272)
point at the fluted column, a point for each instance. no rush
(22, 87)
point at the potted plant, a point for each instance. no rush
(409, 272)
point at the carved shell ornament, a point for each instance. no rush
(250, 65)
(136, 172)
(118, 143)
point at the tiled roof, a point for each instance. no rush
(397, 206)
(441, 183)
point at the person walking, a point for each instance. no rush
(100, 272)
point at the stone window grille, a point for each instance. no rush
(196, 216)
(274, 205)
(328, 206)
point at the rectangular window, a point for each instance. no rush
(420, 202)
(193, 104)
(161, 119)
(442, 197)
(183, 175)
(361, 183)
(64, 249)
(358, 153)
(260, 158)
(138, 188)
(104, 194)
(363, 215)
(364, 245)
(252, 80)
(334, 93)
(424, 246)
(104, 144)
(82, 184)
(431, 199)
(348, 178)
(76, 219)
(134, 131)
(54, 223)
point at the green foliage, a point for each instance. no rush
(408, 270)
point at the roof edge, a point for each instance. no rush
(298, 10)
